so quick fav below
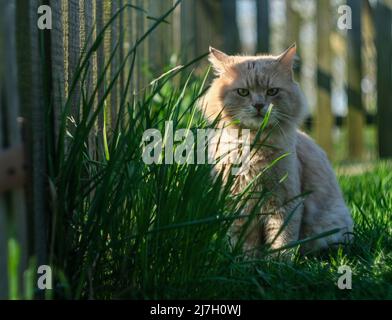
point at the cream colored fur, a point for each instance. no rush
(305, 169)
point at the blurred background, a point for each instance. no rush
(345, 73)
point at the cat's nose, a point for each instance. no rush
(259, 107)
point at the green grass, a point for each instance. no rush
(370, 200)
(124, 229)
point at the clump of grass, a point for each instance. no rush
(122, 228)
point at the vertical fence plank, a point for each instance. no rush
(177, 30)
(3, 238)
(91, 24)
(369, 70)
(355, 118)
(73, 37)
(203, 23)
(107, 45)
(188, 28)
(134, 35)
(33, 99)
(122, 47)
(31, 232)
(263, 26)
(146, 46)
(324, 118)
(3, 208)
(161, 41)
(229, 27)
(3, 225)
(293, 31)
(156, 40)
(114, 40)
(209, 22)
(140, 27)
(87, 36)
(99, 16)
(293, 24)
(57, 59)
(128, 42)
(384, 78)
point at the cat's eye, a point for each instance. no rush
(272, 92)
(243, 92)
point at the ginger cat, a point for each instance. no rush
(240, 96)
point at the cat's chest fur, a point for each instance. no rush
(276, 168)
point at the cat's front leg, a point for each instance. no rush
(282, 226)
(251, 231)
(285, 209)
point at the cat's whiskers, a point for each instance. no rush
(284, 115)
(281, 130)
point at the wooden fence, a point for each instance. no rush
(37, 68)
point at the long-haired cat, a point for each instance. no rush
(244, 89)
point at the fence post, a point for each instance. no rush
(114, 40)
(293, 24)
(177, 30)
(32, 99)
(209, 21)
(293, 33)
(161, 39)
(128, 43)
(383, 17)
(324, 118)
(355, 118)
(99, 16)
(107, 45)
(3, 208)
(263, 26)
(142, 51)
(87, 36)
(231, 35)
(188, 30)
(121, 37)
(57, 63)
(73, 39)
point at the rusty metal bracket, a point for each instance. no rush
(12, 168)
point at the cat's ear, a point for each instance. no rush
(218, 60)
(288, 58)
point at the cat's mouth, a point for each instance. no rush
(259, 116)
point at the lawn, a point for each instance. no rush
(180, 264)
(185, 268)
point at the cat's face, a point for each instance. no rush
(247, 86)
